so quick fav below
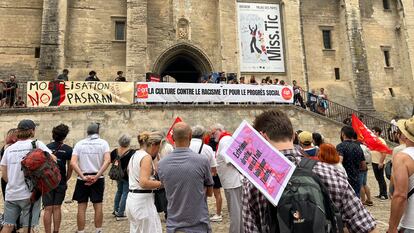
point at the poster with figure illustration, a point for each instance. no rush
(260, 36)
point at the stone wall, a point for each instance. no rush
(133, 119)
(20, 27)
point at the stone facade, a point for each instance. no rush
(133, 119)
(80, 35)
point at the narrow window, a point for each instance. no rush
(391, 92)
(119, 30)
(37, 52)
(326, 34)
(387, 58)
(386, 4)
(337, 74)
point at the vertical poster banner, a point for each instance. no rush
(260, 36)
(267, 168)
(73, 93)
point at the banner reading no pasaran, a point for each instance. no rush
(203, 93)
(55, 93)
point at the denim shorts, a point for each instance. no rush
(14, 209)
(363, 178)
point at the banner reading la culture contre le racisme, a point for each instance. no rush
(260, 36)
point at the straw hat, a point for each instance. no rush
(407, 128)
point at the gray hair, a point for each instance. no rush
(218, 126)
(198, 131)
(124, 140)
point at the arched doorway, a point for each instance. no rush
(184, 62)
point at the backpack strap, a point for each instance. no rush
(307, 164)
(34, 145)
(201, 148)
(410, 193)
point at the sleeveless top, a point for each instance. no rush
(407, 220)
(134, 169)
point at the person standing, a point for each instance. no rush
(11, 138)
(92, 77)
(187, 180)
(9, 91)
(90, 159)
(197, 145)
(378, 161)
(120, 77)
(402, 204)
(140, 207)
(17, 202)
(63, 76)
(297, 97)
(353, 157)
(53, 200)
(121, 156)
(231, 180)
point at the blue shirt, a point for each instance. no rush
(185, 175)
(352, 156)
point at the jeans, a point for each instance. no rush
(120, 197)
(379, 176)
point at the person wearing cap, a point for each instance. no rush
(90, 158)
(402, 204)
(305, 140)
(17, 202)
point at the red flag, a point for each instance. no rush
(170, 132)
(366, 136)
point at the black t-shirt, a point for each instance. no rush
(124, 160)
(120, 79)
(63, 154)
(352, 156)
(11, 92)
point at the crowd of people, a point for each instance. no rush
(176, 179)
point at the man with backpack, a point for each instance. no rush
(90, 158)
(18, 195)
(53, 200)
(259, 215)
(402, 203)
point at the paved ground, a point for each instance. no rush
(380, 211)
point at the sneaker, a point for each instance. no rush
(216, 218)
(382, 197)
(121, 218)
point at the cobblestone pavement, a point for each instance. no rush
(380, 211)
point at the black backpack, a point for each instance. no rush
(305, 205)
(116, 172)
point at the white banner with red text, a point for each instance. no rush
(152, 92)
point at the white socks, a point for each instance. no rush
(99, 230)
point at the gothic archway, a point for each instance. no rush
(184, 62)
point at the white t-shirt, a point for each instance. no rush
(16, 187)
(229, 175)
(90, 152)
(207, 151)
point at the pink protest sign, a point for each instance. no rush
(267, 168)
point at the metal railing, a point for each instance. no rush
(343, 114)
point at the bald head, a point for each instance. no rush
(182, 134)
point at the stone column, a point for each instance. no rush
(406, 29)
(137, 40)
(52, 42)
(358, 54)
(228, 36)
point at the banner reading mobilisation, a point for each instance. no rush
(260, 36)
(55, 93)
(267, 168)
(215, 93)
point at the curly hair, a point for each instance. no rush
(60, 132)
